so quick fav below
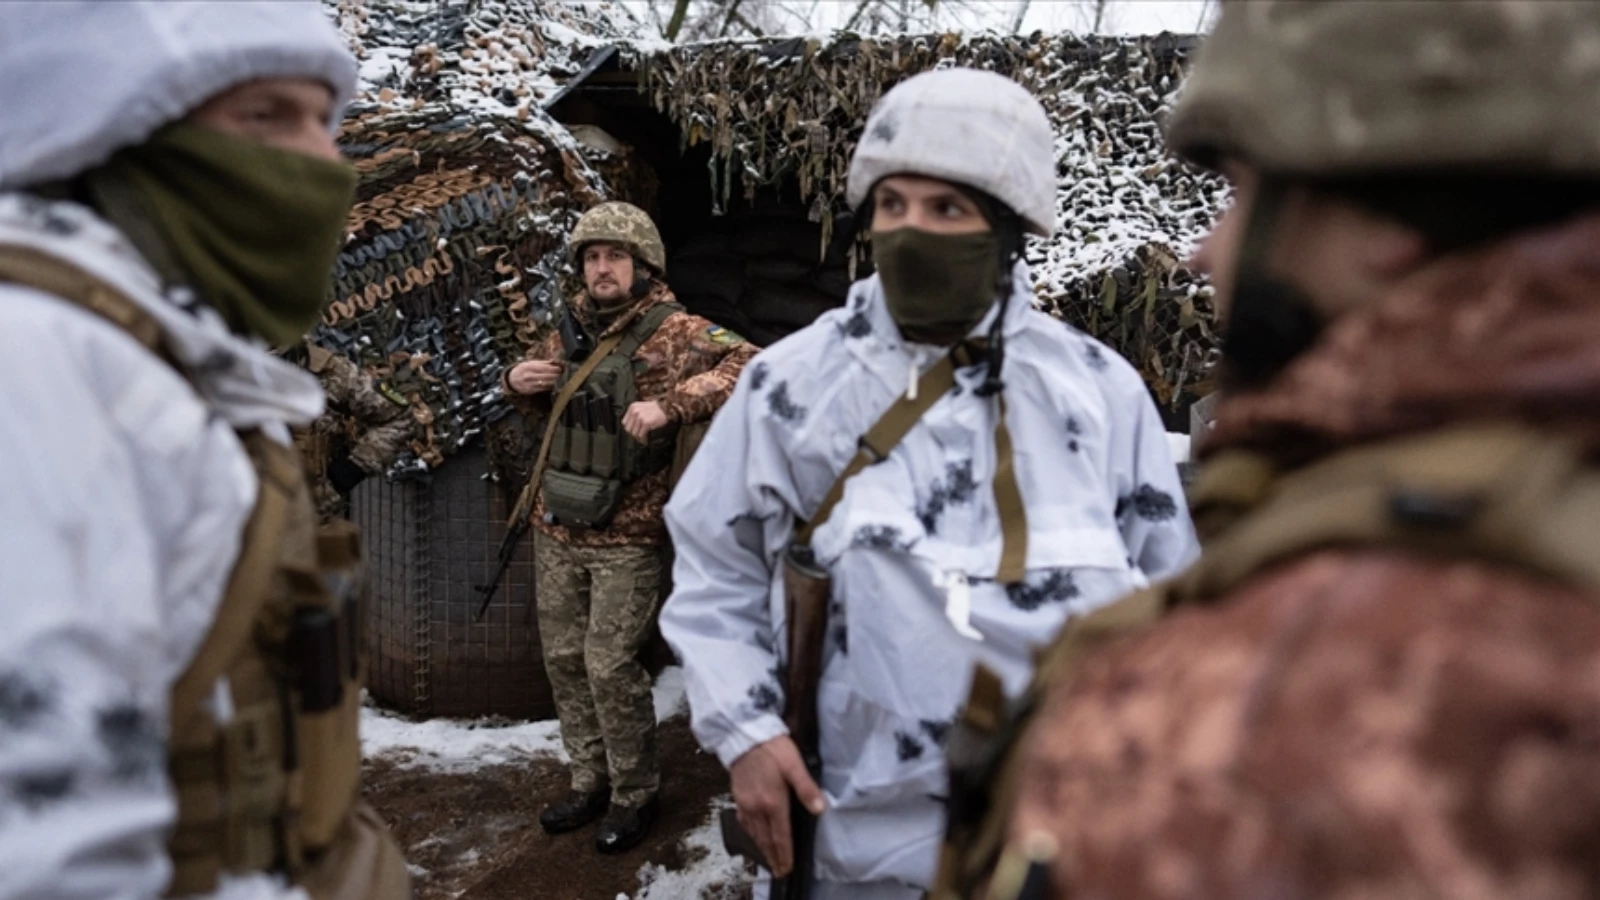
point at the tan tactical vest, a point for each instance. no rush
(590, 459)
(1500, 492)
(263, 751)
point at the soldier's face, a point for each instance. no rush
(1335, 252)
(926, 204)
(287, 113)
(607, 272)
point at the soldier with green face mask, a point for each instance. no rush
(956, 473)
(179, 682)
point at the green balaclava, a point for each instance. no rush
(254, 230)
(939, 286)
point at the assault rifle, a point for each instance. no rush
(806, 589)
(576, 347)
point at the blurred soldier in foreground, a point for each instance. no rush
(365, 426)
(179, 693)
(624, 375)
(935, 475)
(1382, 678)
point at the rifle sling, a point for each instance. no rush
(892, 427)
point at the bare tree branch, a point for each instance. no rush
(855, 17)
(1022, 13)
(675, 25)
(728, 16)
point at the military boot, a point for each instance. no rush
(625, 826)
(574, 811)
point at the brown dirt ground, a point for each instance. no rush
(476, 835)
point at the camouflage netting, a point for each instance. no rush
(469, 187)
(467, 192)
(773, 110)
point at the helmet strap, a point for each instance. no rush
(643, 281)
(1271, 322)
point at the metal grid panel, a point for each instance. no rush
(429, 543)
(384, 512)
(493, 666)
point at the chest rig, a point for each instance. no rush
(589, 459)
(263, 752)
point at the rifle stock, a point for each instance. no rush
(806, 590)
(516, 529)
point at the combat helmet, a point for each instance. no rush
(620, 223)
(965, 126)
(1330, 88)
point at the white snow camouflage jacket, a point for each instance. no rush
(123, 495)
(1105, 514)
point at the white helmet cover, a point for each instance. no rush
(85, 79)
(968, 127)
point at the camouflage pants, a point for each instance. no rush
(596, 605)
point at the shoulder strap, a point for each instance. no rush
(278, 473)
(530, 491)
(1492, 491)
(645, 326)
(892, 427)
(53, 275)
(887, 433)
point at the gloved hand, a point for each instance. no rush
(344, 475)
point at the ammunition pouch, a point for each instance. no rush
(590, 460)
(275, 786)
(584, 501)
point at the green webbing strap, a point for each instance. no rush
(1008, 504)
(892, 427)
(885, 434)
(641, 330)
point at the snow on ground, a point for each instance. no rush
(462, 745)
(714, 876)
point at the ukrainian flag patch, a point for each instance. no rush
(716, 334)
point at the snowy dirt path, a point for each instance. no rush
(463, 798)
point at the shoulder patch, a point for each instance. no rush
(716, 334)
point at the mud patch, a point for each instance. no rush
(475, 834)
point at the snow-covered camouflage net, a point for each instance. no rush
(468, 189)
(774, 109)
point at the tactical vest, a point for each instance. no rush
(1499, 492)
(591, 460)
(263, 751)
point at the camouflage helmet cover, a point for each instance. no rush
(620, 223)
(1328, 87)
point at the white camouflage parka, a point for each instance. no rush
(1105, 513)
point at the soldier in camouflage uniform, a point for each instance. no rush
(365, 426)
(1380, 678)
(600, 554)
